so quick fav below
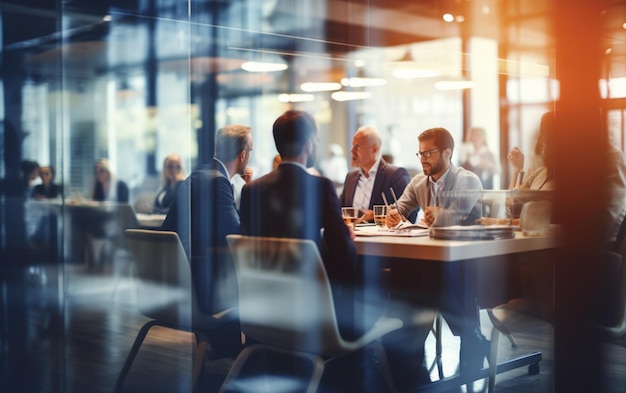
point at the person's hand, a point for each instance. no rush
(351, 231)
(394, 218)
(430, 213)
(247, 174)
(368, 215)
(516, 158)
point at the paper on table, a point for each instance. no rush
(413, 231)
(409, 225)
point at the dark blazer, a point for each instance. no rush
(162, 205)
(203, 213)
(123, 194)
(388, 176)
(289, 202)
(40, 191)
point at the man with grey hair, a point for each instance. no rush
(364, 186)
(203, 212)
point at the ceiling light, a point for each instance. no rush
(454, 85)
(448, 18)
(407, 68)
(295, 97)
(320, 86)
(363, 82)
(350, 95)
(255, 66)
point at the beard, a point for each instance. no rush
(434, 168)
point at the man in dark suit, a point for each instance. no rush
(203, 212)
(290, 202)
(364, 186)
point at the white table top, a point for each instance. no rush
(426, 248)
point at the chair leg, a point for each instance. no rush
(493, 359)
(202, 342)
(438, 344)
(132, 354)
(384, 366)
(512, 340)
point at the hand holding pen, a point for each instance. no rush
(394, 216)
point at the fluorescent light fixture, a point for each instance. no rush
(295, 97)
(350, 95)
(320, 86)
(363, 82)
(255, 66)
(413, 73)
(454, 85)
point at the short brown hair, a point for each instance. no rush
(442, 137)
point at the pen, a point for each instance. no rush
(393, 193)
(385, 199)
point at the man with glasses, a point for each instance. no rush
(436, 146)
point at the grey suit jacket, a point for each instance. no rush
(462, 208)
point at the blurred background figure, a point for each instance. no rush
(107, 187)
(29, 171)
(47, 189)
(173, 174)
(477, 157)
(335, 166)
(388, 158)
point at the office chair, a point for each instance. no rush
(612, 300)
(286, 305)
(166, 294)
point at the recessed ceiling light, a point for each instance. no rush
(363, 82)
(350, 95)
(256, 66)
(320, 86)
(454, 85)
(448, 18)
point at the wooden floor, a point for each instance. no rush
(75, 328)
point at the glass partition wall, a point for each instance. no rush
(135, 81)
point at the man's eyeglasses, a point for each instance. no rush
(426, 153)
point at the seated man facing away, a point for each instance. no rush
(289, 202)
(203, 212)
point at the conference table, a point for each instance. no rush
(425, 267)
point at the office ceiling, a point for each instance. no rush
(75, 35)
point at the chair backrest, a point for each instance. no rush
(285, 297)
(165, 290)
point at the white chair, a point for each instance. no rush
(285, 303)
(167, 295)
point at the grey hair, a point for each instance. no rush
(231, 140)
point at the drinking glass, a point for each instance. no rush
(350, 216)
(380, 215)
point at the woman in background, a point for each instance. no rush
(107, 188)
(478, 158)
(47, 189)
(173, 175)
